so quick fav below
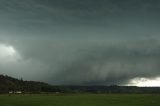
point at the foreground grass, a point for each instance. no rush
(81, 100)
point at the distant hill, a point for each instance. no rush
(8, 84)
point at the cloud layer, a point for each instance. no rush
(87, 42)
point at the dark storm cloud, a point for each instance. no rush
(70, 17)
(91, 63)
(76, 11)
(81, 41)
(113, 65)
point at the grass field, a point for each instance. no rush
(81, 100)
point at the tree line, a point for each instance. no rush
(8, 84)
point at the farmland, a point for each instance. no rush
(80, 100)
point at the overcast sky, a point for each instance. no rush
(80, 42)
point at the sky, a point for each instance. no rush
(81, 42)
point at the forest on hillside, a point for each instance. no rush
(8, 84)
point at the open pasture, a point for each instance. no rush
(81, 100)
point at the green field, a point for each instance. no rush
(81, 100)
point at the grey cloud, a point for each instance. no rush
(113, 65)
(75, 10)
(49, 17)
(89, 63)
(82, 41)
